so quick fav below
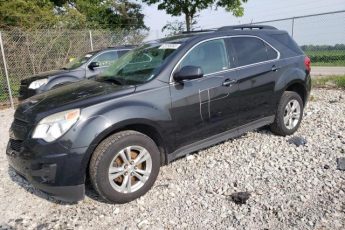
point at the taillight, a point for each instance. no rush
(307, 63)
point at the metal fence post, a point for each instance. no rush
(292, 26)
(6, 72)
(91, 43)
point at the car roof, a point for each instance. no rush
(257, 30)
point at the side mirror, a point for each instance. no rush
(93, 65)
(188, 73)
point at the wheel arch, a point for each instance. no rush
(298, 86)
(142, 126)
(61, 80)
(293, 79)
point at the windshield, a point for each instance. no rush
(139, 65)
(77, 62)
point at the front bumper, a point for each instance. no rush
(49, 167)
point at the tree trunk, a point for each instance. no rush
(188, 21)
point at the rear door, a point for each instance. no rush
(258, 69)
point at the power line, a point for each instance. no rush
(290, 18)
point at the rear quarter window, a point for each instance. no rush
(271, 53)
(290, 47)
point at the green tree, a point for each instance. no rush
(173, 28)
(177, 27)
(74, 14)
(189, 8)
(26, 13)
(102, 14)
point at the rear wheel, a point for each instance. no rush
(124, 166)
(289, 114)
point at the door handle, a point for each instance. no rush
(229, 82)
(274, 68)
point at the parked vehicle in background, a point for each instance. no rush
(157, 103)
(83, 67)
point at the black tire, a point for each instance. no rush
(106, 151)
(278, 127)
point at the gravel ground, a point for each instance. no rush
(290, 187)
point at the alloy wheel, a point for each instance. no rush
(292, 114)
(130, 169)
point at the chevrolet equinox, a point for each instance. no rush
(158, 102)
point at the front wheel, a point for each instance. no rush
(124, 166)
(289, 114)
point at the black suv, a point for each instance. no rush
(157, 103)
(86, 66)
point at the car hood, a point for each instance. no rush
(76, 95)
(45, 75)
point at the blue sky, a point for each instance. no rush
(262, 10)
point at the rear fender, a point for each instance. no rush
(289, 77)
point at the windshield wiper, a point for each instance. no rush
(112, 80)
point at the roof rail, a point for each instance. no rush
(243, 27)
(198, 31)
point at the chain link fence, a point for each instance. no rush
(321, 36)
(30, 52)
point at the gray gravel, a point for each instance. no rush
(290, 187)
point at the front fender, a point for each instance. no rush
(60, 80)
(88, 131)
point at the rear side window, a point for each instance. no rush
(210, 56)
(249, 50)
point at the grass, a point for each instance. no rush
(4, 96)
(327, 57)
(335, 63)
(329, 82)
(325, 52)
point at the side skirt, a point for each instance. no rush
(220, 137)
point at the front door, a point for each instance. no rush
(104, 60)
(200, 106)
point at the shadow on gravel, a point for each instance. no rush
(265, 130)
(92, 194)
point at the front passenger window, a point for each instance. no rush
(106, 59)
(210, 56)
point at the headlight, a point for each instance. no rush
(54, 126)
(38, 83)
